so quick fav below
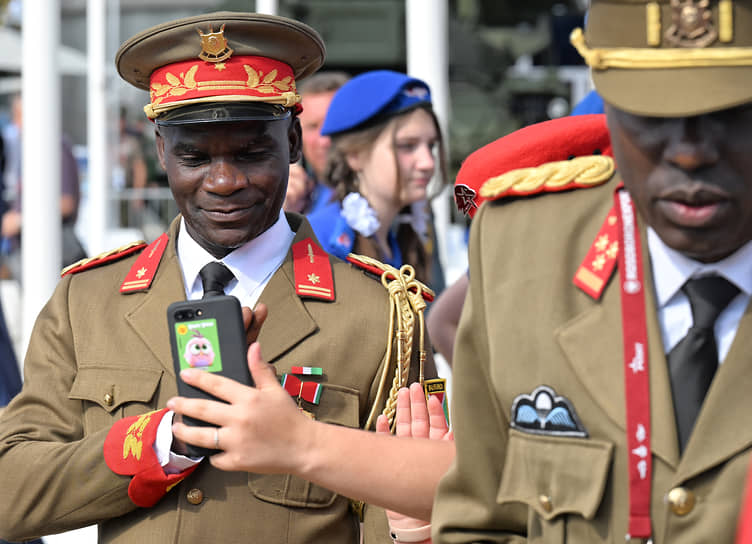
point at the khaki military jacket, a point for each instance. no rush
(96, 356)
(526, 325)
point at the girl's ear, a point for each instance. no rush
(355, 160)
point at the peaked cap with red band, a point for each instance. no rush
(565, 153)
(249, 61)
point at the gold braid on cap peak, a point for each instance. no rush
(406, 303)
(645, 58)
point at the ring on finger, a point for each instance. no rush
(216, 438)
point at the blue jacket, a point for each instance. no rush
(10, 376)
(338, 238)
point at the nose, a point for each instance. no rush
(693, 143)
(425, 159)
(224, 178)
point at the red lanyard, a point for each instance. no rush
(636, 376)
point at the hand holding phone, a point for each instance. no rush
(208, 334)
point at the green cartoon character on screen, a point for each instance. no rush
(199, 339)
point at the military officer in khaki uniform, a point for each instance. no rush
(88, 440)
(602, 367)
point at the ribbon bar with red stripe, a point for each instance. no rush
(308, 391)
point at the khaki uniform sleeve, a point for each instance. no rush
(465, 508)
(57, 474)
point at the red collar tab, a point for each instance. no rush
(600, 261)
(103, 258)
(142, 272)
(313, 271)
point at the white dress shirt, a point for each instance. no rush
(671, 270)
(253, 265)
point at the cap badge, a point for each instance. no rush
(464, 197)
(691, 24)
(214, 46)
(416, 91)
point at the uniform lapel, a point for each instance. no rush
(288, 323)
(593, 344)
(148, 315)
(720, 432)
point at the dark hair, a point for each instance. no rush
(343, 179)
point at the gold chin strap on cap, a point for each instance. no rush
(644, 58)
(286, 99)
(406, 304)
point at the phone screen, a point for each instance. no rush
(198, 345)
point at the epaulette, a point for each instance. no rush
(566, 153)
(376, 269)
(103, 258)
(407, 298)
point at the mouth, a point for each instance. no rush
(694, 207)
(228, 213)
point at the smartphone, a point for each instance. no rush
(207, 334)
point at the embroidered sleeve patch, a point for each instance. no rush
(129, 450)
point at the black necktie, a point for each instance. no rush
(693, 361)
(215, 276)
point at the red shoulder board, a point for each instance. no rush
(145, 268)
(599, 263)
(313, 271)
(103, 258)
(377, 269)
(565, 153)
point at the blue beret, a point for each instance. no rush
(373, 95)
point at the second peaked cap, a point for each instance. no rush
(221, 57)
(669, 58)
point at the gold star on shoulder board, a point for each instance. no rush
(313, 278)
(602, 242)
(141, 272)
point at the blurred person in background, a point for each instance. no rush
(10, 374)
(386, 145)
(131, 172)
(10, 228)
(315, 93)
(300, 185)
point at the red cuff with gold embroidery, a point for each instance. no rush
(129, 450)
